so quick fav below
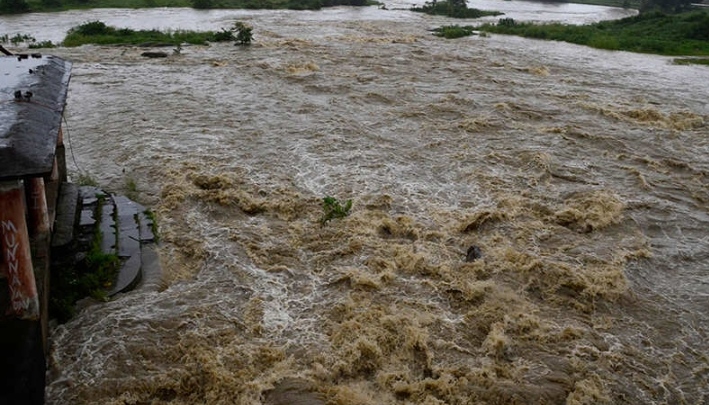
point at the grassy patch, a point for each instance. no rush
(131, 189)
(86, 179)
(658, 33)
(131, 185)
(453, 8)
(453, 31)
(97, 32)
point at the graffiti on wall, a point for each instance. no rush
(16, 253)
(21, 303)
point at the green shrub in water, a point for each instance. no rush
(453, 31)
(334, 209)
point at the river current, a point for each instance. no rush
(579, 174)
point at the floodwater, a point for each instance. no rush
(579, 174)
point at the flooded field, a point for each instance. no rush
(528, 223)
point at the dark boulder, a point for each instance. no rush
(154, 54)
(474, 253)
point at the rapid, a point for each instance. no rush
(579, 174)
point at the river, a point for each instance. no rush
(579, 174)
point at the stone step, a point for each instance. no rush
(126, 231)
(152, 273)
(128, 276)
(128, 226)
(146, 228)
(128, 244)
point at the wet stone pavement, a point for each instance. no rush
(126, 230)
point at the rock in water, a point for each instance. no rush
(474, 253)
(154, 54)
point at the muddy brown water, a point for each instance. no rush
(581, 175)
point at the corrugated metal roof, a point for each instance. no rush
(33, 90)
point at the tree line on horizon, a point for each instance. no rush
(24, 6)
(271, 4)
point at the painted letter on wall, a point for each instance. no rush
(16, 254)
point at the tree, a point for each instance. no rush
(14, 6)
(202, 4)
(243, 33)
(457, 8)
(668, 6)
(52, 3)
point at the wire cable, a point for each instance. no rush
(71, 149)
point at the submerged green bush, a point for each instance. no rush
(97, 32)
(453, 31)
(42, 44)
(334, 209)
(93, 28)
(453, 8)
(243, 33)
(506, 22)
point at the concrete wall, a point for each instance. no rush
(27, 213)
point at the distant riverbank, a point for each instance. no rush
(24, 6)
(685, 34)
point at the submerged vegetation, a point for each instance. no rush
(453, 31)
(25, 39)
(692, 61)
(97, 32)
(242, 33)
(653, 32)
(453, 8)
(334, 209)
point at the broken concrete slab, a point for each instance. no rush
(87, 218)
